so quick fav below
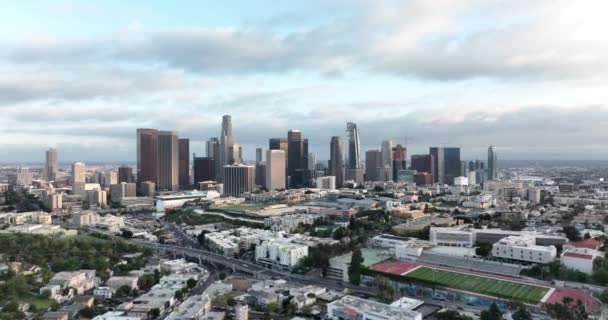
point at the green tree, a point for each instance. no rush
(222, 276)
(493, 313)
(483, 250)
(451, 315)
(154, 313)
(191, 283)
(567, 310)
(521, 313)
(571, 233)
(354, 269)
(179, 295)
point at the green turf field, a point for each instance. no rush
(482, 285)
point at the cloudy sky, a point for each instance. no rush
(530, 77)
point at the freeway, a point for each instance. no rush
(246, 267)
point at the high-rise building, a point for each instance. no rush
(168, 160)
(147, 155)
(423, 163)
(78, 178)
(238, 179)
(122, 190)
(399, 160)
(51, 164)
(492, 163)
(184, 162)
(226, 145)
(23, 177)
(336, 162)
(387, 157)
(260, 174)
(326, 183)
(280, 144)
(204, 169)
(373, 161)
(275, 170)
(125, 174)
(148, 189)
(312, 161)
(438, 164)
(97, 197)
(108, 178)
(213, 151)
(451, 164)
(236, 154)
(259, 155)
(354, 147)
(297, 159)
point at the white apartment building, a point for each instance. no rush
(32, 217)
(326, 183)
(279, 253)
(523, 248)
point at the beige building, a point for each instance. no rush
(79, 178)
(275, 170)
(97, 197)
(122, 190)
(168, 160)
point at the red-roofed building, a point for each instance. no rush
(591, 303)
(586, 244)
(580, 259)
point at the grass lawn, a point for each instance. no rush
(39, 302)
(481, 285)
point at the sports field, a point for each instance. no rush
(482, 285)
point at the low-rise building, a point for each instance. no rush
(104, 292)
(280, 254)
(118, 281)
(580, 259)
(82, 280)
(350, 307)
(194, 308)
(32, 217)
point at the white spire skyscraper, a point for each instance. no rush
(354, 147)
(226, 144)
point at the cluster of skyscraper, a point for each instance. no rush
(163, 158)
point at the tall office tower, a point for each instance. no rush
(108, 178)
(122, 190)
(236, 154)
(125, 174)
(297, 159)
(471, 165)
(204, 169)
(399, 160)
(226, 142)
(51, 164)
(438, 164)
(336, 160)
(259, 155)
(238, 179)
(78, 179)
(312, 160)
(184, 162)
(275, 170)
(260, 174)
(479, 165)
(280, 144)
(451, 164)
(373, 161)
(423, 163)
(492, 163)
(212, 148)
(387, 157)
(148, 189)
(168, 160)
(147, 155)
(326, 183)
(354, 147)
(464, 169)
(213, 151)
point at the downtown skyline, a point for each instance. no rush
(527, 78)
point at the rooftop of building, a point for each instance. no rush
(380, 309)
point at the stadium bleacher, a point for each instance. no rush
(473, 264)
